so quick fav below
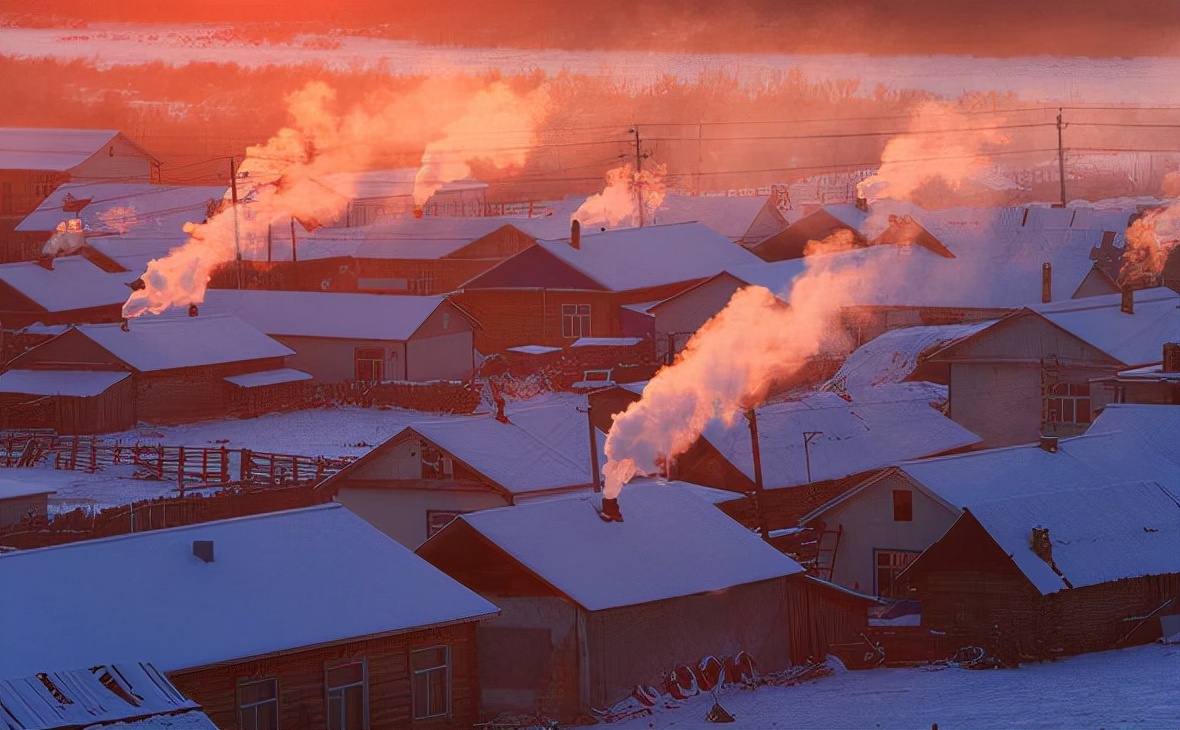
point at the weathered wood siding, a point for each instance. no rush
(192, 394)
(18, 509)
(819, 617)
(303, 693)
(333, 360)
(119, 159)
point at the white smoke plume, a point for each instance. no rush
(1151, 238)
(319, 141)
(730, 365)
(936, 148)
(68, 237)
(627, 193)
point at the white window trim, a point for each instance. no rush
(329, 666)
(414, 683)
(877, 566)
(576, 329)
(256, 680)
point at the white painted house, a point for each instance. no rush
(878, 528)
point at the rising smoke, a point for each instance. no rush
(1151, 239)
(494, 124)
(630, 197)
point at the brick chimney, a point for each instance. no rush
(45, 262)
(575, 234)
(203, 549)
(1046, 282)
(862, 203)
(1048, 443)
(1039, 542)
(1127, 305)
(1171, 357)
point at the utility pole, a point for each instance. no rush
(639, 156)
(759, 491)
(233, 186)
(1061, 156)
(807, 437)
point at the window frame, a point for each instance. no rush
(571, 315)
(329, 667)
(242, 683)
(1073, 395)
(446, 667)
(894, 569)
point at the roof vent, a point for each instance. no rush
(1049, 443)
(203, 549)
(193, 311)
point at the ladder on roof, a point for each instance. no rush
(824, 565)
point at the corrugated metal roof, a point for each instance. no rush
(121, 207)
(163, 343)
(57, 150)
(77, 383)
(268, 377)
(670, 544)
(279, 581)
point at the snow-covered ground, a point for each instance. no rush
(1145, 80)
(1130, 688)
(329, 432)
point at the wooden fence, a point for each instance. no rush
(187, 466)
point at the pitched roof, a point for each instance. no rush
(121, 207)
(82, 699)
(1104, 534)
(508, 455)
(325, 314)
(76, 383)
(14, 485)
(29, 148)
(853, 437)
(380, 184)
(1133, 339)
(732, 217)
(399, 237)
(162, 343)
(275, 584)
(660, 550)
(637, 258)
(73, 283)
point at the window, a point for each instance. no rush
(370, 364)
(258, 704)
(890, 563)
(903, 505)
(575, 321)
(436, 519)
(431, 670)
(446, 320)
(348, 700)
(1069, 403)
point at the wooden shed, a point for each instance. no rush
(255, 619)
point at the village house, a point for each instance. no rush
(22, 500)
(869, 534)
(412, 485)
(34, 162)
(560, 291)
(1148, 384)
(791, 242)
(368, 337)
(1044, 575)
(124, 695)
(376, 194)
(1030, 373)
(745, 220)
(299, 619)
(403, 255)
(67, 290)
(620, 604)
(158, 370)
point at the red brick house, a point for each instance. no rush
(307, 618)
(560, 291)
(181, 369)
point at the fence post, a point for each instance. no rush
(93, 454)
(244, 466)
(224, 464)
(74, 454)
(180, 470)
(160, 462)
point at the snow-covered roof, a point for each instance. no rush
(400, 237)
(76, 383)
(1152, 426)
(122, 207)
(670, 544)
(268, 377)
(534, 349)
(777, 276)
(325, 314)
(1099, 535)
(606, 341)
(13, 486)
(82, 699)
(729, 216)
(379, 184)
(853, 437)
(162, 343)
(191, 720)
(559, 421)
(73, 283)
(1133, 339)
(1149, 373)
(894, 355)
(636, 258)
(58, 150)
(274, 585)
(508, 455)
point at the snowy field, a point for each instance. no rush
(1131, 688)
(110, 487)
(1145, 80)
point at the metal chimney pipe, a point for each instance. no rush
(759, 491)
(1127, 305)
(575, 234)
(1046, 282)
